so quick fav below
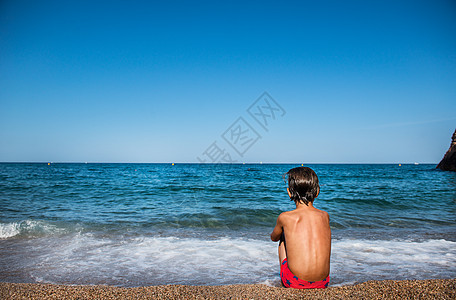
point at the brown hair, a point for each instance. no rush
(303, 185)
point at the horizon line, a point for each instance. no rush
(222, 163)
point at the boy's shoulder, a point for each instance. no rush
(288, 216)
(284, 216)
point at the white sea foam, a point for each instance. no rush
(28, 227)
(8, 230)
(142, 261)
(91, 259)
(382, 259)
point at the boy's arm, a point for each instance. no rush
(278, 229)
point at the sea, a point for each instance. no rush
(209, 224)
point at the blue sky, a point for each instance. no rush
(130, 81)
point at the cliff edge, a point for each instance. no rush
(448, 163)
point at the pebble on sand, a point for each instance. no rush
(388, 289)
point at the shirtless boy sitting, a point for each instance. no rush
(304, 234)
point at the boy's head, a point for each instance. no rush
(303, 185)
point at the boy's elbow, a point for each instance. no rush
(275, 238)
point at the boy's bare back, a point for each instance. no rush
(304, 234)
(308, 242)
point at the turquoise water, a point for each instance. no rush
(143, 224)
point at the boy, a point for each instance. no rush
(304, 234)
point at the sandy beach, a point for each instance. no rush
(388, 289)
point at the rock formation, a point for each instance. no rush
(448, 163)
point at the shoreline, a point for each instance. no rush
(386, 289)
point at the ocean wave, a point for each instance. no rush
(29, 228)
(87, 258)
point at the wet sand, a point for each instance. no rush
(389, 289)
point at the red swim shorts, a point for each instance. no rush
(291, 281)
